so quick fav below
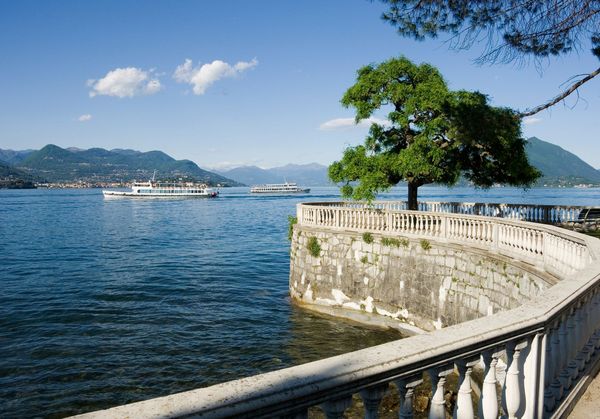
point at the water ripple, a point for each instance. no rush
(109, 302)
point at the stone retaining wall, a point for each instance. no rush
(409, 284)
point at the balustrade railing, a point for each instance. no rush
(534, 358)
(549, 214)
(546, 246)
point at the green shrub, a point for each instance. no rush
(292, 221)
(393, 242)
(386, 241)
(367, 238)
(313, 246)
(364, 259)
(425, 245)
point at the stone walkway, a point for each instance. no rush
(588, 405)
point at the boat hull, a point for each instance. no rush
(307, 190)
(121, 194)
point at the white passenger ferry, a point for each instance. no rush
(280, 188)
(165, 190)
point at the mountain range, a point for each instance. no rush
(56, 164)
(312, 174)
(558, 167)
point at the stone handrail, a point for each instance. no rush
(549, 344)
(549, 214)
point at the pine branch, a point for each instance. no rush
(562, 96)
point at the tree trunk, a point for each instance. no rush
(412, 196)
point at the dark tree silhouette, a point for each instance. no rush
(511, 30)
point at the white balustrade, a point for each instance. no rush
(542, 245)
(548, 344)
(524, 212)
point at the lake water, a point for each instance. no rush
(104, 302)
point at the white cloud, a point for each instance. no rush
(347, 123)
(530, 120)
(202, 76)
(85, 117)
(125, 82)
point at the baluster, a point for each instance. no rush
(513, 384)
(464, 404)
(581, 334)
(438, 402)
(587, 349)
(488, 403)
(406, 388)
(564, 375)
(594, 325)
(334, 409)
(371, 399)
(551, 367)
(573, 346)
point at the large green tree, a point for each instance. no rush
(434, 135)
(508, 30)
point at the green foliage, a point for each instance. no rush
(292, 221)
(313, 246)
(425, 245)
(393, 242)
(364, 259)
(434, 135)
(367, 237)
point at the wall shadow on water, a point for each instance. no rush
(315, 336)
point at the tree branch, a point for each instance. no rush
(560, 97)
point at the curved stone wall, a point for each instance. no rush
(410, 284)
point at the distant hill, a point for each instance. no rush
(57, 164)
(12, 157)
(312, 174)
(559, 166)
(15, 179)
(250, 175)
(7, 171)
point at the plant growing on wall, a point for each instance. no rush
(292, 221)
(425, 245)
(394, 242)
(313, 246)
(367, 237)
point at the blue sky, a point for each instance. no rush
(104, 74)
